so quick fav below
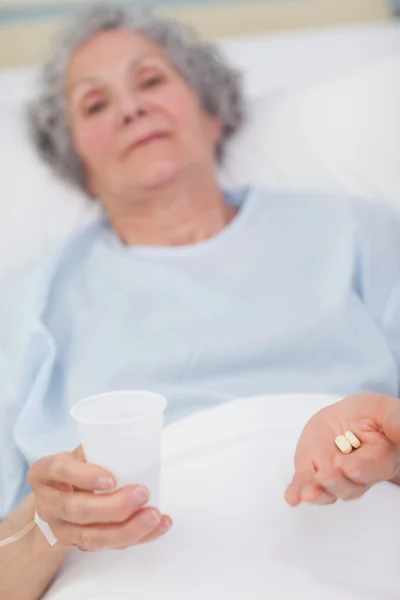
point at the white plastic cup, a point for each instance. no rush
(122, 431)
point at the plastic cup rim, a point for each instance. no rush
(86, 421)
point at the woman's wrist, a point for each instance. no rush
(33, 542)
(39, 546)
(29, 564)
(19, 519)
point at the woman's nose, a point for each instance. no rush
(132, 116)
(131, 109)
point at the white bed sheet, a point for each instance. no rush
(234, 537)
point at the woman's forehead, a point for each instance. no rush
(110, 50)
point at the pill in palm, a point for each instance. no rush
(343, 444)
(353, 439)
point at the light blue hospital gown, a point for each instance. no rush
(300, 293)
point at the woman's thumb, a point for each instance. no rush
(78, 453)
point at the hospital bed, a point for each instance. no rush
(322, 102)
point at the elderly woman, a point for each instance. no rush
(184, 288)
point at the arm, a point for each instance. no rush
(27, 566)
(63, 487)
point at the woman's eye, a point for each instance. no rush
(95, 108)
(151, 82)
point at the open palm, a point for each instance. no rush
(323, 474)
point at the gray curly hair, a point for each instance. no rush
(217, 85)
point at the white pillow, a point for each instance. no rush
(286, 60)
(17, 85)
(36, 210)
(341, 136)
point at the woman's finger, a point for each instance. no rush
(163, 528)
(293, 495)
(302, 479)
(79, 453)
(315, 494)
(68, 469)
(390, 419)
(95, 538)
(83, 508)
(304, 488)
(165, 525)
(367, 467)
(335, 483)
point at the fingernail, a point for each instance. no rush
(150, 519)
(104, 483)
(140, 496)
(165, 525)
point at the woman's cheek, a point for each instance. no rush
(179, 103)
(96, 141)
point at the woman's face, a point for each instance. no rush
(136, 124)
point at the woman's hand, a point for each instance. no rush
(323, 474)
(63, 487)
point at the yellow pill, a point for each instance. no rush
(343, 444)
(353, 439)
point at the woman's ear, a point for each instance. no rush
(215, 130)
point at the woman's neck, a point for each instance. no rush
(175, 215)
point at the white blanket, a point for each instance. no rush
(224, 476)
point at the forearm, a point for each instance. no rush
(27, 566)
